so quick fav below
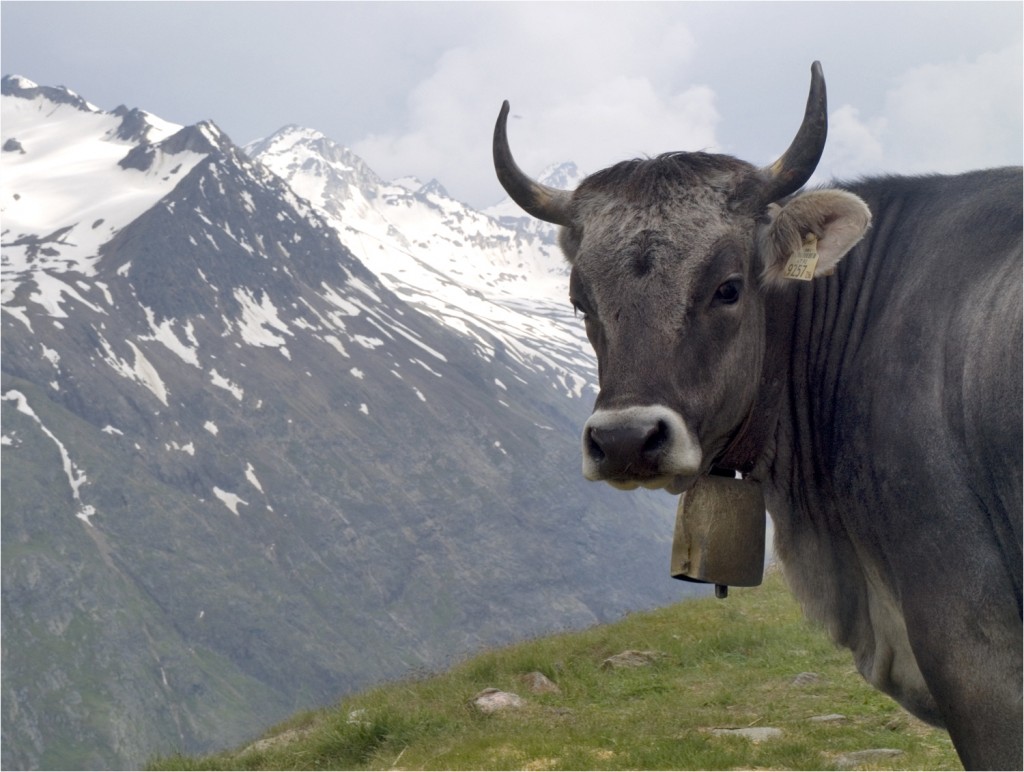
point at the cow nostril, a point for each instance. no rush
(656, 439)
(594, 448)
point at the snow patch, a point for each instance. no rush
(140, 370)
(434, 353)
(52, 356)
(49, 293)
(229, 500)
(106, 292)
(365, 289)
(220, 381)
(337, 344)
(367, 342)
(426, 367)
(164, 333)
(344, 306)
(250, 475)
(259, 319)
(148, 375)
(75, 475)
(19, 313)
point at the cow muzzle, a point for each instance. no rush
(647, 446)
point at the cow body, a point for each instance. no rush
(878, 405)
(894, 479)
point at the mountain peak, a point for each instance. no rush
(301, 132)
(202, 138)
(134, 124)
(328, 158)
(18, 86)
(286, 138)
(409, 183)
(69, 193)
(565, 176)
(433, 188)
(10, 83)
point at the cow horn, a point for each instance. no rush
(544, 203)
(797, 164)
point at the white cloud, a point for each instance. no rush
(947, 117)
(955, 116)
(854, 145)
(623, 84)
(617, 89)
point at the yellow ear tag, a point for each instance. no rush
(801, 264)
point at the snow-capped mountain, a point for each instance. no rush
(496, 277)
(53, 220)
(246, 470)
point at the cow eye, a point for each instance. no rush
(728, 292)
(577, 309)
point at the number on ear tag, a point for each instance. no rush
(801, 264)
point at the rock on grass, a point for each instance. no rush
(493, 700)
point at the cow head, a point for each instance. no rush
(673, 261)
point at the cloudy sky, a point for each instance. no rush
(414, 88)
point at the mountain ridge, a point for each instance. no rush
(517, 295)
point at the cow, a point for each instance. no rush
(856, 350)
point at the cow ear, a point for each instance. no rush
(825, 222)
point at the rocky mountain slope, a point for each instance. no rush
(497, 277)
(263, 445)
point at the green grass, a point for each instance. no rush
(728, 663)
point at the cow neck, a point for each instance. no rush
(749, 442)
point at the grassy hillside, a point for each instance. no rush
(743, 662)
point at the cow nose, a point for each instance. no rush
(648, 444)
(626, 446)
